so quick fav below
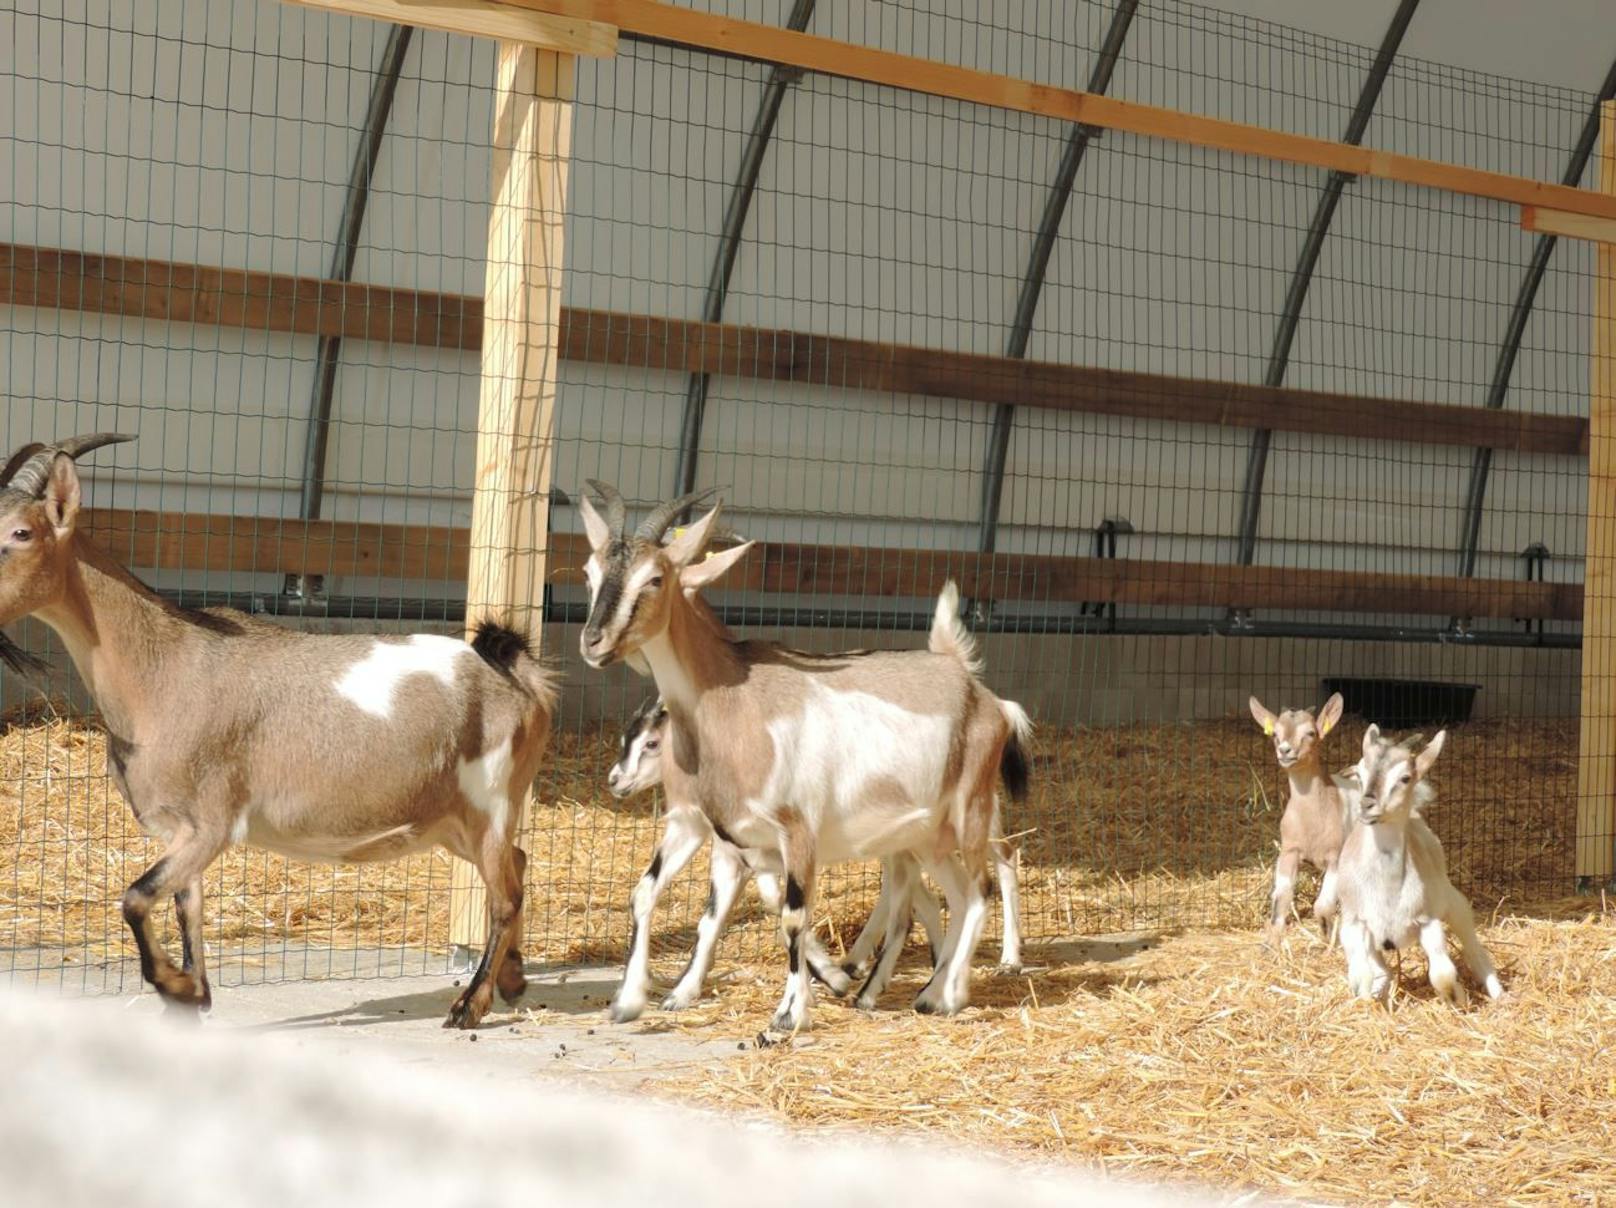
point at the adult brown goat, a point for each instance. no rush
(224, 729)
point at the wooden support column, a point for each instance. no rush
(520, 347)
(1596, 768)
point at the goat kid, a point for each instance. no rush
(640, 767)
(810, 758)
(224, 729)
(1394, 882)
(1314, 824)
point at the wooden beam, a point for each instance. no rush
(1566, 225)
(157, 290)
(1596, 764)
(179, 542)
(482, 19)
(752, 40)
(521, 344)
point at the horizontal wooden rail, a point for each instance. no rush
(750, 39)
(481, 19)
(153, 289)
(177, 542)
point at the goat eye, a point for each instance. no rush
(656, 581)
(21, 535)
(1406, 778)
(652, 746)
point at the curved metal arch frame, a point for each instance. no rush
(1515, 332)
(1279, 357)
(729, 244)
(1032, 281)
(344, 252)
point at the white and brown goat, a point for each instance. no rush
(640, 767)
(223, 729)
(1394, 882)
(1314, 825)
(812, 759)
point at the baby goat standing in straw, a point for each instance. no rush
(224, 729)
(811, 758)
(1314, 824)
(1394, 878)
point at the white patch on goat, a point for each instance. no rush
(238, 828)
(829, 758)
(486, 783)
(372, 682)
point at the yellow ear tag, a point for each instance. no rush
(680, 532)
(1268, 728)
(1324, 729)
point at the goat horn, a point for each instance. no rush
(616, 509)
(17, 460)
(31, 476)
(658, 521)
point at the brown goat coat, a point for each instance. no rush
(222, 727)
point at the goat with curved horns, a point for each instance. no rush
(223, 729)
(811, 758)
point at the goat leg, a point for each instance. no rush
(188, 912)
(511, 980)
(729, 873)
(903, 872)
(189, 853)
(798, 859)
(682, 838)
(498, 866)
(1004, 863)
(1284, 893)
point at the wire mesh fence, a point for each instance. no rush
(187, 181)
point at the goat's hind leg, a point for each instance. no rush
(1476, 956)
(512, 978)
(857, 962)
(497, 861)
(949, 989)
(1444, 973)
(191, 849)
(1009, 877)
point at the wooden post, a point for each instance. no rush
(1596, 767)
(521, 313)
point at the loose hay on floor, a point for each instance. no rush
(1128, 827)
(1214, 1058)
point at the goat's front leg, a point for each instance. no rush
(729, 873)
(1284, 894)
(683, 836)
(193, 847)
(821, 967)
(798, 858)
(857, 961)
(1463, 921)
(902, 872)
(193, 959)
(1367, 975)
(1327, 906)
(496, 859)
(1444, 974)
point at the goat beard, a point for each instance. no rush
(29, 666)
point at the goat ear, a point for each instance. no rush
(62, 494)
(1330, 714)
(688, 543)
(1371, 736)
(694, 578)
(1265, 719)
(1346, 782)
(1424, 760)
(595, 525)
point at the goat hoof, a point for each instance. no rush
(835, 980)
(468, 1011)
(924, 1006)
(625, 1012)
(676, 1001)
(864, 1002)
(854, 970)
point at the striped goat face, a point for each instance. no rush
(639, 762)
(1388, 783)
(633, 580)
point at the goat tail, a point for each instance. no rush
(1013, 763)
(948, 632)
(509, 652)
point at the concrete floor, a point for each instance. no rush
(359, 1002)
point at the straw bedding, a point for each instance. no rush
(1216, 1058)
(1132, 827)
(1203, 1054)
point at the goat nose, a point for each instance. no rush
(593, 640)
